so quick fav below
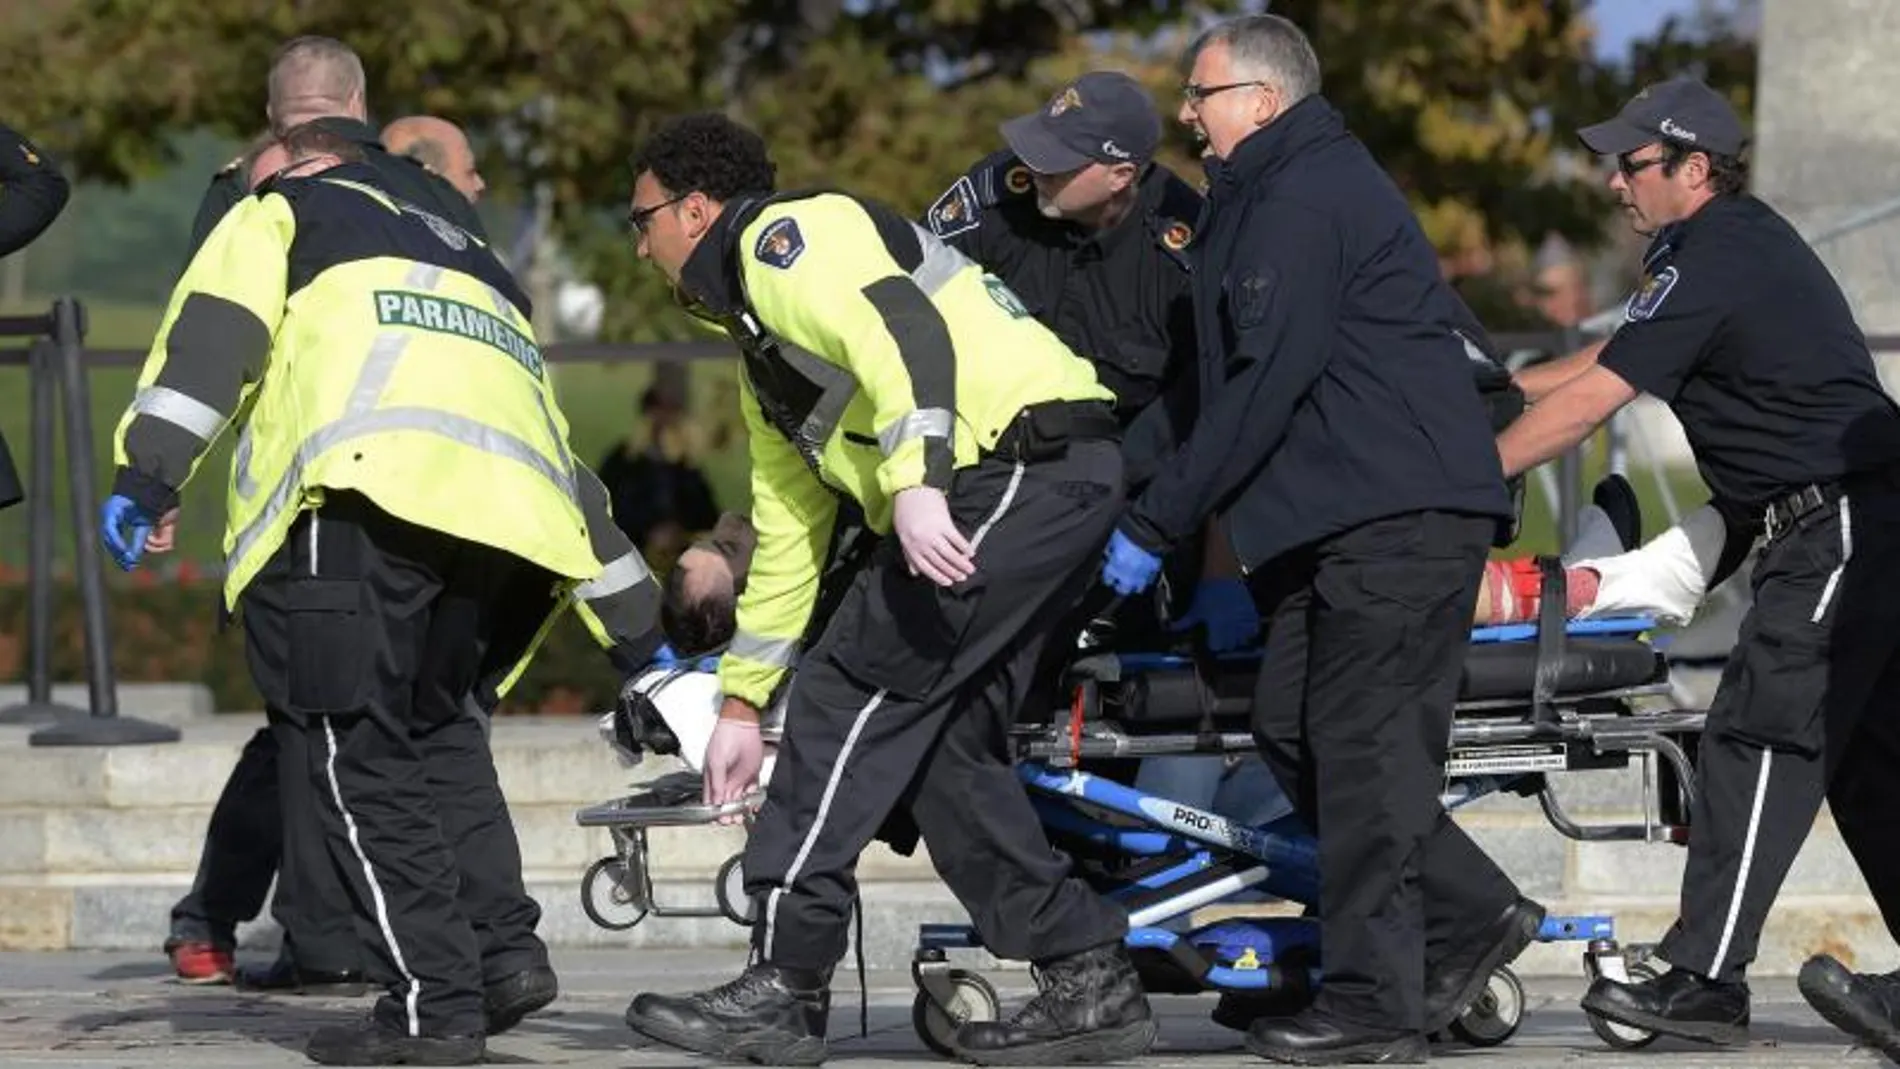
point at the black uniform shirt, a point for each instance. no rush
(1119, 298)
(1742, 331)
(32, 192)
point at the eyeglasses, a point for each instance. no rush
(1195, 94)
(640, 218)
(1630, 168)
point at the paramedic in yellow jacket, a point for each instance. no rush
(404, 518)
(879, 365)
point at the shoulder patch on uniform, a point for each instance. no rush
(956, 211)
(1644, 302)
(780, 244)
(1177, 236)
(1017, 179)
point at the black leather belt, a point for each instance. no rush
(1044, 431)
(1785, 512)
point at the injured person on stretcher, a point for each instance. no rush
(1664, 579)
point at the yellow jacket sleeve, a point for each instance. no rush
(793, 514)
(819, 275)
(210, 352)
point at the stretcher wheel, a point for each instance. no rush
(1624, 1036)
(972, 998)
(729, 887)
(1494, 1015)
(608, 899)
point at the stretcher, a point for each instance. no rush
(1535, 700)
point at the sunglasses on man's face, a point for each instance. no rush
(1630, 168)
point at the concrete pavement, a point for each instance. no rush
(121, 1011)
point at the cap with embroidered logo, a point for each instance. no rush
(1680, 111)
(1101, 117)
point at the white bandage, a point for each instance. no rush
(1667, 578)
(689, 703)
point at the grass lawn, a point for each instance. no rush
(600, 402)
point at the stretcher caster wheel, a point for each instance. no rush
(729, 887)
(1494, 1015)
(972, 998)
(609, 897)
(1623, 1036)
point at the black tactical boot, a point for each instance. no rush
(1092, 1009)
(1456, 981)
(285, 976)
(372, 1042)
(1677, 1003)
(770, 1015)
(1313, 1038)
(1864, 1005)
(506, 1001)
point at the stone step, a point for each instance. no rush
(82, 841)
(180, 704)
(539, 760)
(124, 913)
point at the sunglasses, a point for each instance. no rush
(639, 219)
(1630, 168)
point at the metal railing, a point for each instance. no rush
(56, 361)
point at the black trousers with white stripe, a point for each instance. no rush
(1808, 707)
(906, 699)
(371, 635)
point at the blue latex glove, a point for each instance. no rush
(124, 526)
(1227, 609)
(664, 657)
(1128, 568)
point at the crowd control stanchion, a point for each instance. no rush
(105, 727)
(39, 707)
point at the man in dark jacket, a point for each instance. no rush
(32, 193)
(1344, 448)
(320, 79)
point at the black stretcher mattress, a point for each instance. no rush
(1493, 672)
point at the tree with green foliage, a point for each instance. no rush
(1467, 102)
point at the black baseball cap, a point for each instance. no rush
(1681, 111)
(1101, 117)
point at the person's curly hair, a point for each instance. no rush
(705, 152)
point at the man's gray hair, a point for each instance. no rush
(311, 77)
(1269, 48)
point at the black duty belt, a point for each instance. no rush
(1784, 512)
(1043, 431)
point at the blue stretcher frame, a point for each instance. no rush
(1280, 859)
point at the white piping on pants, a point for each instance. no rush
(1748, 860)
(818, 822)
(1009, 495)
(414, 987)
(1834, 577)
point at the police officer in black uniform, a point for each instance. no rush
(32, 193)
(1740, 329)
(1081, 223)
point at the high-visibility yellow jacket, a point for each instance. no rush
(361, 343)
(876, 358)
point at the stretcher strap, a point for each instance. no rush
(1551, 636)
